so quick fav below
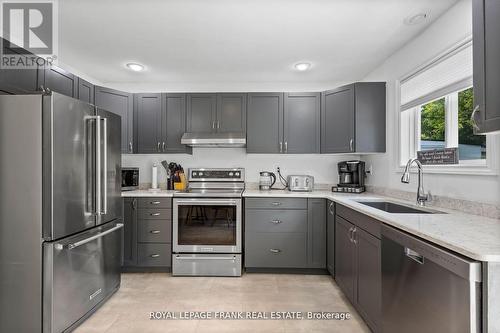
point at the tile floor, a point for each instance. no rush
(128, 310)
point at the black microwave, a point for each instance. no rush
(130, 179)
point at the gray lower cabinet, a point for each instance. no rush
(85, 91)
(358, 263)
(147, 234)
(265, 123)
(316, 233)
(148, 123)
(330, 237)
(301, 123)
(486, 49)
(120, 103)
(285, 233)
(353, 118)
(129, 232)
(58, 80)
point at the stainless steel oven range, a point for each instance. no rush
(207, 223)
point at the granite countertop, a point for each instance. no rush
(473, 236)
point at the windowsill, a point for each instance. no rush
(472, 170)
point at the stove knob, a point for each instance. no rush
(200, 173)
(236, 174)
(230, 174)
(194, 173)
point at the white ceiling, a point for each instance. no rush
(195, 45)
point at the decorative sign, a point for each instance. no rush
(438, 156)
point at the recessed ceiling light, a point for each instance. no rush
(302, 66)
(416, 18)
(135, 67)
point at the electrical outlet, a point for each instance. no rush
(369, 170)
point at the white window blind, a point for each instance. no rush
(450, 73)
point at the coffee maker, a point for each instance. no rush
(351, 177)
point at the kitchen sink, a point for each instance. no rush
(394, 208)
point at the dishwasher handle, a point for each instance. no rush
(414, 255)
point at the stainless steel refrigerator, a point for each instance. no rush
(60, 211)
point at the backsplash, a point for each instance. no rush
(322, 167)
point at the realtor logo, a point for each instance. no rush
(28, 27)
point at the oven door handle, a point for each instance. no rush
(205, 258)
(206, 202)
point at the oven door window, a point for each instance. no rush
(207, 225)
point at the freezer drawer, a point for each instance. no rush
(426, 288)
(200, 264)
(79, 273)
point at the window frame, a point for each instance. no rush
(490, 168)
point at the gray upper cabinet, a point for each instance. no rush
(120, 103)
(486, 49)
(58, 80)
(353, 118)
(231, 112)
(148, 123)
(16, 81)
(264, 122)
(301, 129)
(316, 234)
(201, 112)
(85, 91)
(330, 237)
(174, 123)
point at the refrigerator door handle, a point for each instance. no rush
(98, 165)
(105, 166)
(71, 246)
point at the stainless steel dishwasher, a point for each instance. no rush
(426, 288)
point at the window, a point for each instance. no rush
(436, 106)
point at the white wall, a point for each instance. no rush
(322, 167)
(451, 28)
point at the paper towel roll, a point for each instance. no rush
(154, 180)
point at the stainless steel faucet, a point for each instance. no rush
(422, 197)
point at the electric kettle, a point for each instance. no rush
(266, 180)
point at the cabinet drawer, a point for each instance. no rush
(276, 203)
(154, 231)
(275, 250)
(154, 214)
(154, 254)
(276, 220)
(154, 202)
(359, 219)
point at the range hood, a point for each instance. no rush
(214, 140)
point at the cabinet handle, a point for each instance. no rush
(276, 221)
(276, 203)
(351, 229)
(155, 255)
(155, 202)
(213, 124)
(473, 118)
(286, 147)
(218, 124)
(355, 236)
(276, 251)
(154, 232)
(134, 204)
(330, 208)
(281, 147)
(155, 214)
(163, 146)
(130, 147)
(158, 146)
(351, 144)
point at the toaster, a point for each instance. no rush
(299, 183)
